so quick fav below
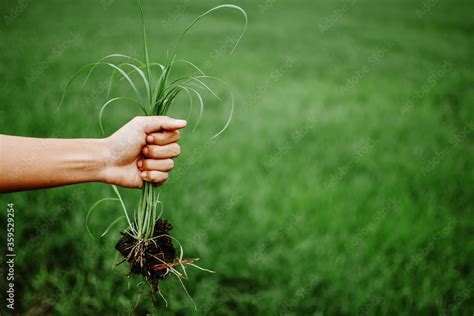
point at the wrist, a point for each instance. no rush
(103, 159)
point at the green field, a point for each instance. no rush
(343, 186)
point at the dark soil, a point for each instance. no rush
(147, 257)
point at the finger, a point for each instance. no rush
(152, 124)
(162, 152)
(156, 164)
(154, 176)
(163, 138)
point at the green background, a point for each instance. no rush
(343, 186)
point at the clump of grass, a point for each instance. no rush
(146, 243)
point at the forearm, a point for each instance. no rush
(33, 163)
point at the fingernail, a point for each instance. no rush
(183, 122)
(140, 163)
(143, 174)
(150, 139)
(145, 150)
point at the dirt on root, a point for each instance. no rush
(149, 258)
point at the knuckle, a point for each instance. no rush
(147, 150)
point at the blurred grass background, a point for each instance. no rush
(344, 185)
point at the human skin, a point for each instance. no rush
(141, 150)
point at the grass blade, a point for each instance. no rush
(230, 6)
(108, 57)
(89, 212)
(70, 81)
(107, 103)
(123, 206)
(145, 48)
(232, 103)
(111, 225)
(130, 81)
(192, 65)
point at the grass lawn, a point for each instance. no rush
(343, 186)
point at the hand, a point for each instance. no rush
(142, 150)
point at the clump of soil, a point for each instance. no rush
(149, 258)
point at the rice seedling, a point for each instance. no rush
(146, 243)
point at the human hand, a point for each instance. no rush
(142, 150)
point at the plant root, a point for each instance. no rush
(150, 258)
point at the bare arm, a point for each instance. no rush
(141, 150)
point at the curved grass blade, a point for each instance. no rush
(190, 103)
(145, 80)
(113, 100)
(232, 103)
(107, 57)
(154, 64)
(174, 82)
(112, 75)
(70, 81)
(89, 212)
(230, 6)
(201, 108)
(111, 225)
(130, 81)
(132, 228)
(191, 64)
(206, 87)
